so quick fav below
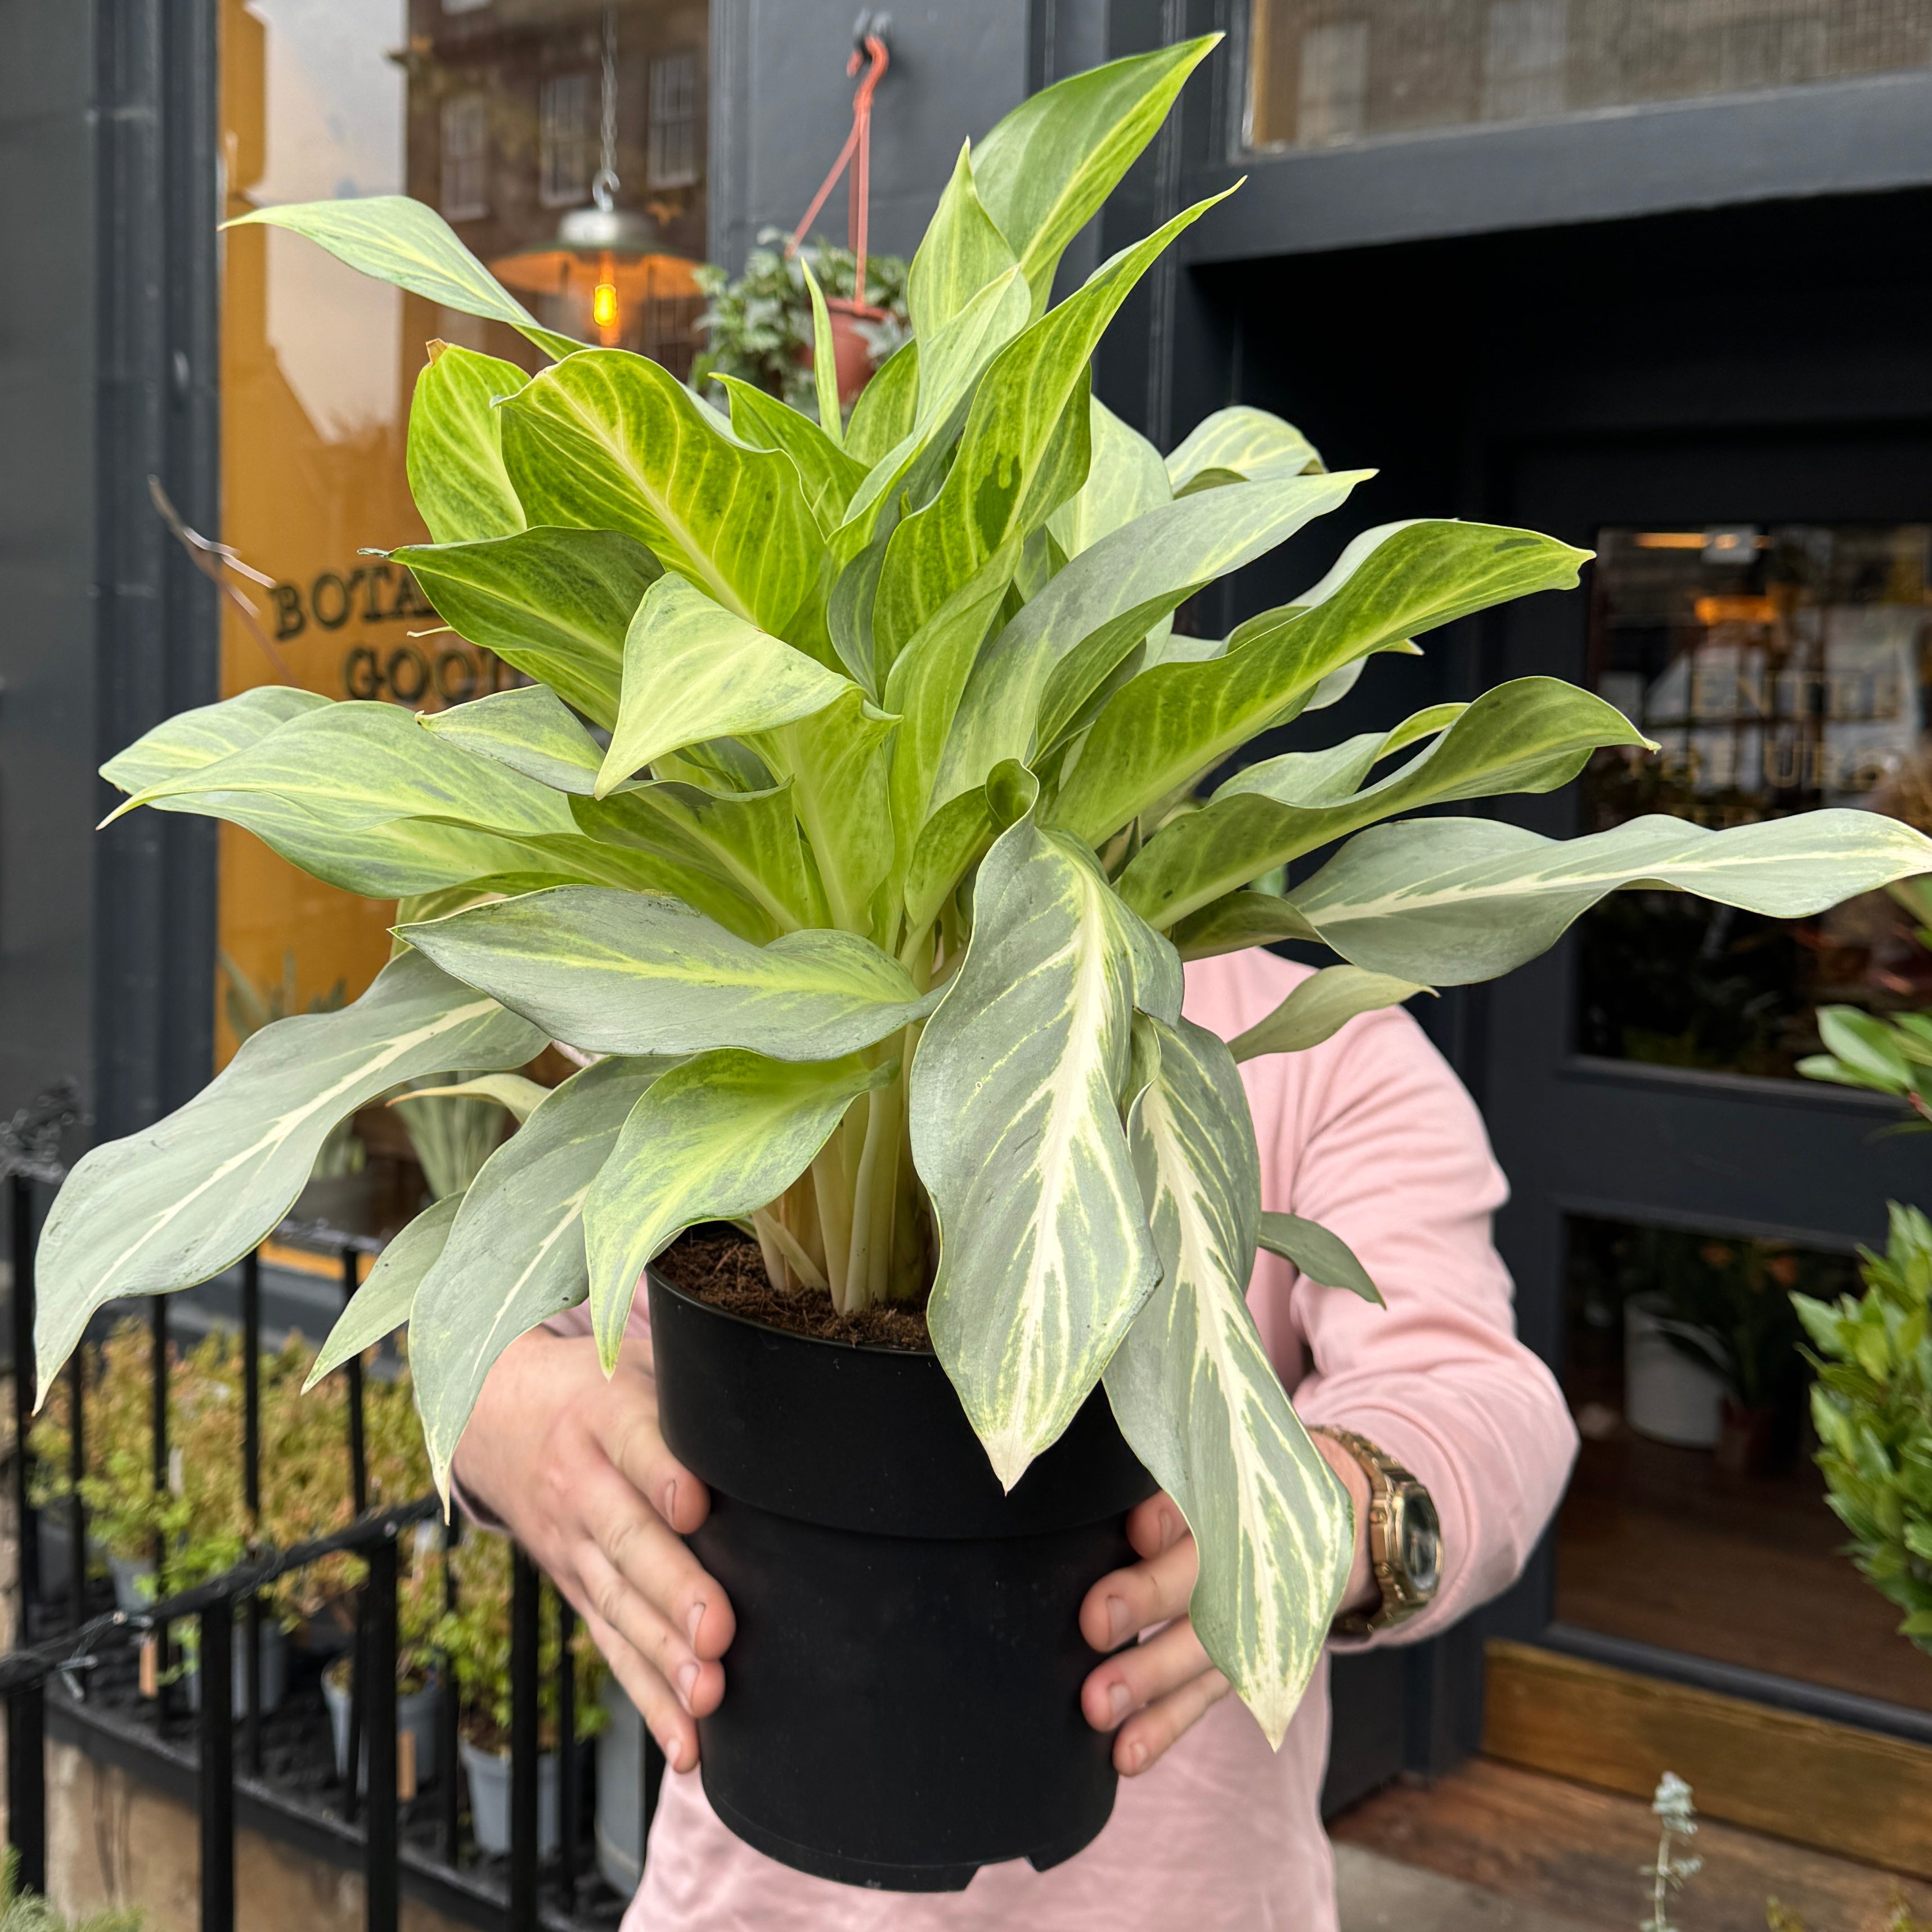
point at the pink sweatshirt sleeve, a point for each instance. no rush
(1371, 1135)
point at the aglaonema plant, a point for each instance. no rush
(849, 817)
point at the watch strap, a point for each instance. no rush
(1388, 1481)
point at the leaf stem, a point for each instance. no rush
(834, 1216)
(865, 1260)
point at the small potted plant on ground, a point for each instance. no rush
(849, 826)
(475, 1638)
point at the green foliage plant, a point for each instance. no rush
(475, 1638)
(758, 326)
(1872, 1406)
(849, 819)
(29, 1912)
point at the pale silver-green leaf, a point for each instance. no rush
(530, 730)
(1320, 1007)
(615, 972)
(192, 740)
(1044, 1255)
(1201, 1404)
(381, 1305)
(962, 251)
(178, 1202)
(718, 1138)
(1239, 442)
(1448, 901)
(455, 451)
(1324, 1258)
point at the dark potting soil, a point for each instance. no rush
(727, 1271)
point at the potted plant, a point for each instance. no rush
(849, 817)
(760, 326)
(475, 1638)
(1872, 1406)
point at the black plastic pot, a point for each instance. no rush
(902, 1697)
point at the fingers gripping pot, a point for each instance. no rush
(902, 1697)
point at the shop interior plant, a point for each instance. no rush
(850, 816)
(758, 325)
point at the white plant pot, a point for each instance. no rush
(416, 1714)
(489, 1775)
(620, 1793)
(134, 1583)
(274, 1670)
(1667, 1396)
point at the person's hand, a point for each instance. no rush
(1148, 1694)
(574, 1466)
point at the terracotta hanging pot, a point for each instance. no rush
(850, 351)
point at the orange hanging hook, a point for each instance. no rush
(871, 52)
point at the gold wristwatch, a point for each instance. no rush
(1405, 1537)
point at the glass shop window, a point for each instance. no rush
(1696, 1519)
(510, 120)
(1322, 72)
(1780, 668)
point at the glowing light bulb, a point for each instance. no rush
(604, 305)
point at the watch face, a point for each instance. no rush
(1421, 1541)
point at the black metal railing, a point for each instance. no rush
(58, 1671)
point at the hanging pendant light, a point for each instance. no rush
(609, 264)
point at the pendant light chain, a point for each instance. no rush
(604, 186)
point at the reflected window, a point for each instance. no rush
(495, 116)
(1408, 65)
(1779, 669)
(1696, 1519)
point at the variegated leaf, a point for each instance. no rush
(693, 670)
(721, 1136)
(1201, 1404)
(382, 1304)
(1238, 444)
(514, 1093)
(1325, 1258)
(178, 1202)
(514, 1254)
(962, 251)
(1448, 901)
(1125, 479)
(1044, 1251)
(1320, 1007)
(455, 458)
(530, 730)
(614, 972)
(192, 740)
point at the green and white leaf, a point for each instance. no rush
(178, 1202)
(693, 670)
(1044, 1255)
(455, 452)
(397, 240)
(553, 603)
(614, 441)
(1319, 1008)
(1126, 479)
(717, 1138)
(1325, 1258)
(1044, 170)
(515, 1256)
(1242, 443)
(1201, 1404)
(1178, 720)
(382, 1304)
(1449, 900)
(517, 1095)
(1032, 677)
(530, 730)
(190, 741)
(829, 475)
(962, 251)
(613, 972)
(1532, 735)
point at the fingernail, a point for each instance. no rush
(674, 1752)
(668, 1504)
(1117, 1701)
(1170, 1529)
(687, 1681)
(1119, 1618)
(692, 1619)
(1135, 1755)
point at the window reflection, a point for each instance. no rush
(1779, 669)
(1696, 1519)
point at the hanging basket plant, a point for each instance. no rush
(850, 817)
(758, 326)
